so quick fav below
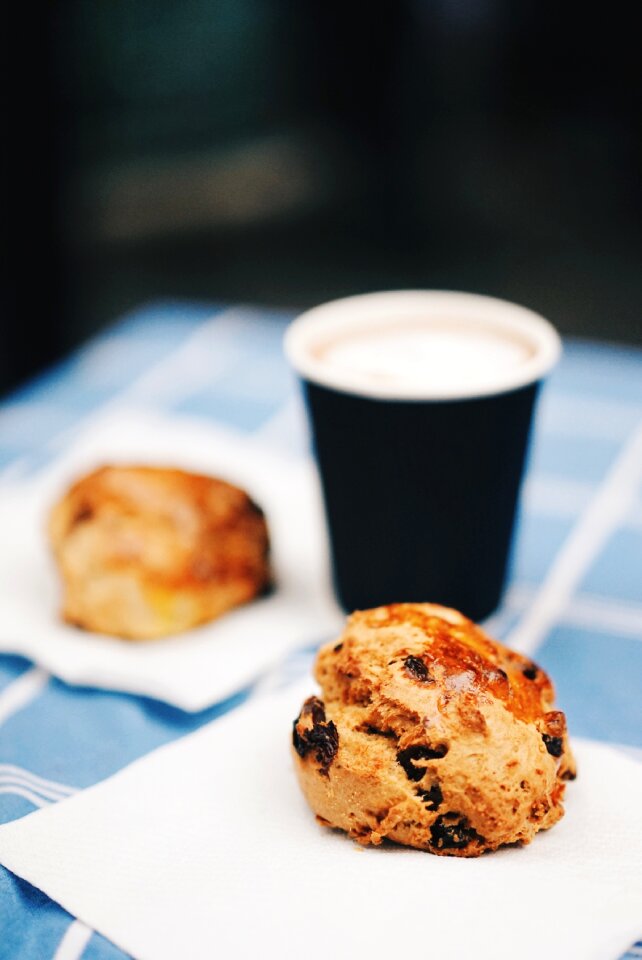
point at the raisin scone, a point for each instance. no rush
(148, 551)
(429, 733)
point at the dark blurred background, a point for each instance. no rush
(287, 152)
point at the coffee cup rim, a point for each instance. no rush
(356, 312)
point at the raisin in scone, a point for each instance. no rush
(148, 551)
(429, 733)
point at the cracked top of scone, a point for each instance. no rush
(429, 733)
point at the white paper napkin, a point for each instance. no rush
(201, 666)
(205, 848)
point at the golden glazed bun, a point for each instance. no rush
(429, 733)
(146, 551)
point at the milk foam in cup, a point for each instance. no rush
(421, 404)
(422, 345)
(425, 353)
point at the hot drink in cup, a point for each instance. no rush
(421, 405)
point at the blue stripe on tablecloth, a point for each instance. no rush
(31, 925)
(246, 414)
(11, 667)
(591, 407)
(270, 379)
(582, 458)
(255, 382)
(78, 736)
(14, 806)
(27, 425)
(100, 949)
(617, 571)
(598, 678)
(600, 371)
(537, 540)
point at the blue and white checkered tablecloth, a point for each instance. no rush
(576, 585)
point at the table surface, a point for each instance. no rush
(575, 594)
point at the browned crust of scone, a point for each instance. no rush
(430, 734)
(147, 551)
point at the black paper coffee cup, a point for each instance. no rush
(421, 405)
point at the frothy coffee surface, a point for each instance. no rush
(437, 355)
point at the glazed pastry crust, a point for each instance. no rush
(147, 551)
(430, 734)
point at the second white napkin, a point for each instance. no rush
(197, 668)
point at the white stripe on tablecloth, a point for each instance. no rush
(635, 516)
(607, 509)
(604, 613)
(11, 771)
(7, 784)
(40, 792)
(287, 427)
(557, 495)
(72, 946)
(46, 789)
(197, 361)
(584, 610)
(554, 495)
(21, 691)
(26, 794)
